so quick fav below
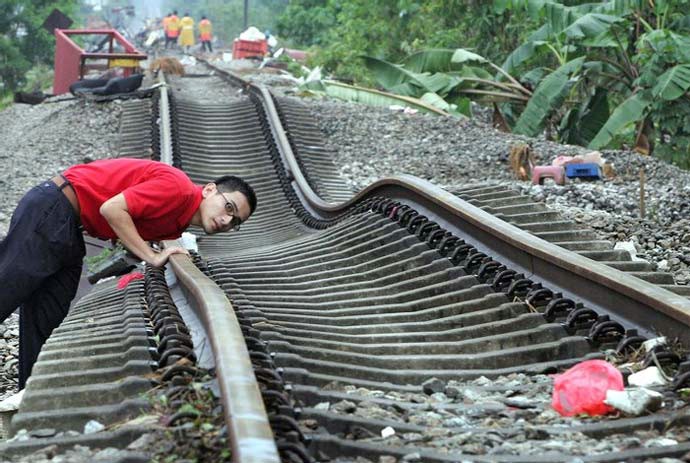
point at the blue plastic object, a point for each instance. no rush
(588, 170)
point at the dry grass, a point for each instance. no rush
(521, 161)
(170, 66)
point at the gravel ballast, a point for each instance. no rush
(369, 143)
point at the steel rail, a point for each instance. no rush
(249, 430)
(164, 122)
(636, 301)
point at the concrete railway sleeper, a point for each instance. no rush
(302, 295)
(431, 317)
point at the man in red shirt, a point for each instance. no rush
(131, 199)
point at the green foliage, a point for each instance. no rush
(630, 85)
(339, 32)
(550, 94)
(92, 262)
(23, 42)
(306, 22)
(420, 75)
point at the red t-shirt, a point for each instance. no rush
(161, 199)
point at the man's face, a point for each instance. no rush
(222, 212)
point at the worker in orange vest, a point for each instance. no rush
(173, 30)
(166, 23)
(205, 34)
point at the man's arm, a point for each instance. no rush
(115, 211)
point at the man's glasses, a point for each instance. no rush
(231, 209)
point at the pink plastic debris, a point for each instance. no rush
(127, 279)
(582, 389)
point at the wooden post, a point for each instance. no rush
(642, 206)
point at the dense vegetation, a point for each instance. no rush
(23, 42)
(599, 74)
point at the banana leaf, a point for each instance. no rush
(432, 60)
(673, 83)
(590, 25)
(368, 96)
(547, 97)
(582, 124)
(440, 60)
(630, 111)
(560, 17)
(463, 56)
(526, 50)
(461, 107)
(619, 7)
(394, 78)
(438, 83)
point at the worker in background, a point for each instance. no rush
(166, 24)
(134, 200)
(173, 30)
(187, 32)
(205, 34)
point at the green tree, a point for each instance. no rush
(23, 42)
(341, 31)
(307, 22)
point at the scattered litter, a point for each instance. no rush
(387, 432)
(402, 109)
(253, 34)
(649, 377)
(12, 402)
(188, 241)
(322, 406)
(630, 247)
(583, 388)
(593, 157)
(188, 61)
(650, 344)
(635, 401)
(588, 170)
(92, 427)
(20, 436)
(661, 442)
(127, 279)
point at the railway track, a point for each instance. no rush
(432, 316)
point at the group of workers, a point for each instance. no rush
(182, 30)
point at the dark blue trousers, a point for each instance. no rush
(40, 266)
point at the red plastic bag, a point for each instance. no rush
(126, 279)
(582, 389)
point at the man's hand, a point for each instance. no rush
(161, 258)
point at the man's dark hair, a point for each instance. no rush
(175, 12)
(230, 183)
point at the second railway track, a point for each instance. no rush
(393, 309)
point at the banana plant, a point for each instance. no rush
(448, 78)
(635, 72)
